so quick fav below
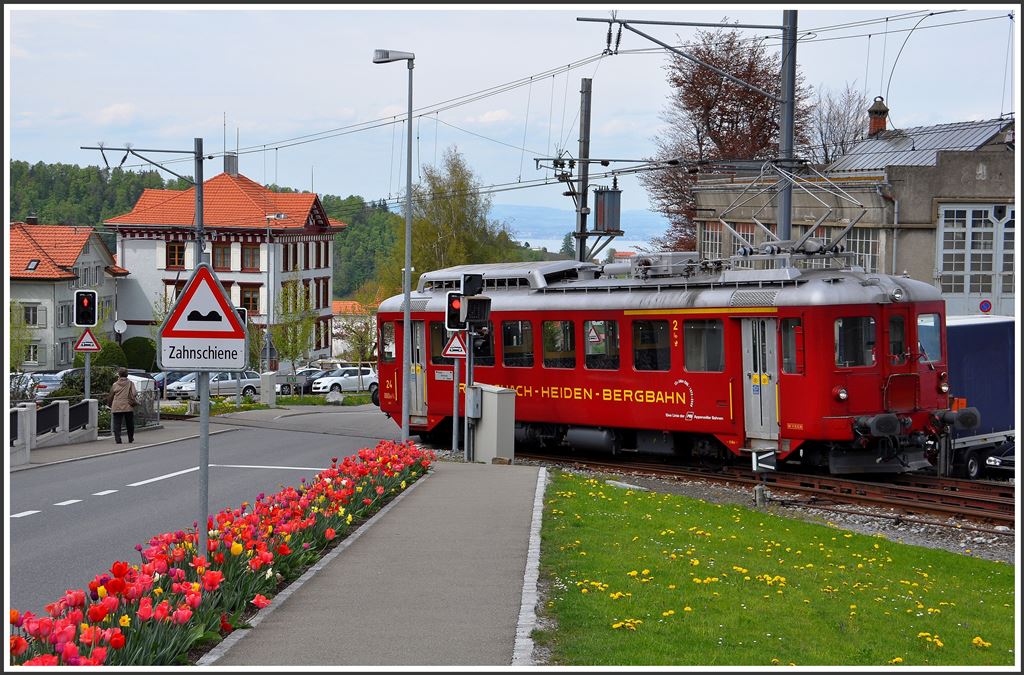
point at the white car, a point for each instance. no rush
(347, 379)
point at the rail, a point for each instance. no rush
(47, 419)
(78, 416)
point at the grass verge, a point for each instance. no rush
(644, 578)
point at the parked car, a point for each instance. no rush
(46, 384)
(304, 379)
(225, 383)
(347, 379)
(22, 386)
(164, 378)
(1001, 460)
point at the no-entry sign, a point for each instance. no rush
(202, 331)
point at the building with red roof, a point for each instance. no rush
(256, 240)
(47, 264)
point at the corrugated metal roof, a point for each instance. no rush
(917, 146)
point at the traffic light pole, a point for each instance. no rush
(88, 373)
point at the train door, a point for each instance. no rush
(418, 398)
(760, 378)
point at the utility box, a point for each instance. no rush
(268, 388)
(473, 401)
(494, 433)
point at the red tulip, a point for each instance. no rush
(117, 640)
(98, 656)
(212, 580)
(182, 615)
(19, 645)
(260, 601)
(120, 568)
(97, 613)
(43, 660)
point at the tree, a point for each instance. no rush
(450, 226)
(609, 257)
(140, 352)
(839, 120)
(296, 322)
(359, 332)
(19, 335)
(711, 118)
(568, 246)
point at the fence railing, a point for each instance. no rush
(78, 416)
(13, 426)
(47, 418)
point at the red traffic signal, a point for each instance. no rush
(453, 312)
(85, 308)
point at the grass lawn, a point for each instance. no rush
(643, 578)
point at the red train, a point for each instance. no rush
(670, 354)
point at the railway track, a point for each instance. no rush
(984, 502)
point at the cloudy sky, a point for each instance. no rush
(295, 89)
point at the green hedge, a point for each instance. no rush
(140, 352)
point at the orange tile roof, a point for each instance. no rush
(344, 307)
(55, 247)
(228, 201)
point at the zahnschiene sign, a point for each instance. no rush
(202, 331)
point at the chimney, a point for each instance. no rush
(231, 164)
(877, 115)
(32, 219)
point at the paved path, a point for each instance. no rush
(438, 579)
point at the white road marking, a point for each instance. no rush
(105, 492)
(23, 514)
(168, 475)
(256, 466)
(70, 501)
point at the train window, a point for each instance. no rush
(601, 351)
(897, 341)
(438, 340)
(792, 346)
(559, 344)
(387, 342)
(929, 342)
(855, 341)
(483, 346)
(651, 345)
(517, 344)
(704, 345)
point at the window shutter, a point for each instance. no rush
(236, 256)
(161, 254)
(263, 301)
(236, 295)
(189, 256)
(263, 257)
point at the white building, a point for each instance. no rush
(257, 240)
(48, 263)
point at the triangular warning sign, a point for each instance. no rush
(203, 310)
(592, 335)
(456, 347)
(87, 343)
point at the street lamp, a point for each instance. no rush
(387, 56)
(270, 306)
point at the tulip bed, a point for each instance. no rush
(175, 599)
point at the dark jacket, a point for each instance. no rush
(123, 396)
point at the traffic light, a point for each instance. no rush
(476, 310)
(243, 315)
(85, 308)
(472, 284)
(453, 320)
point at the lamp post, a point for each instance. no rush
(270, 306)
(387, 56)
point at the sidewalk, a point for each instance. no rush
(169, 431)
(443, 575)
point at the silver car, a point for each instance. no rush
(225, 383)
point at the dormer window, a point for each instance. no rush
(32, 264)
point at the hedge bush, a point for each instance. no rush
(140, 353)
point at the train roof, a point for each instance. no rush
(662, 281)
(971, 319)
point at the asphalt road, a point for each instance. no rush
(93, 512)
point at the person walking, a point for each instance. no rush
(123, 399)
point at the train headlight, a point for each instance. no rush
(840, 393)
(896, 294)
(944, 387)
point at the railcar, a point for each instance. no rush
(838, 368)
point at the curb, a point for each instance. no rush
(222, 648)
(26, 467)
(522, 653)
